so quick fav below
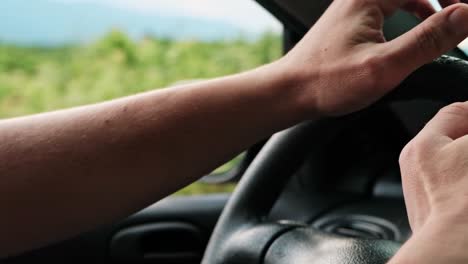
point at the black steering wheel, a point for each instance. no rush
(243, 233)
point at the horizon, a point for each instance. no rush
(64, 22)
(203, 19)
(242, 13)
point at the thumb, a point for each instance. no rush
(438, 34)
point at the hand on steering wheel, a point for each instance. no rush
(434, 173)
(345, 64)
(435, 169)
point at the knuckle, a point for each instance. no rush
(356, 4)
(372, 62)
(359, 3)
(456, 109)
(416, 150)
(430, 38)
(374, 70)
(406, 154)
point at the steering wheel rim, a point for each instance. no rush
(242, 235)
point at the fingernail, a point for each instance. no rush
(459, 19)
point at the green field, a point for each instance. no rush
(38, 79)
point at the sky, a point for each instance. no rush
(246, 14)
(58, 22)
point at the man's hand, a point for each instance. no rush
(344, 63)
(434, 168)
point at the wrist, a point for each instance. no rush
(438, 241)
(450, 237)
(296, 88)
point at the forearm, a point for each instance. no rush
(72, 170)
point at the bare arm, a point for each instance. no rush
(72, 170)
(89, 165)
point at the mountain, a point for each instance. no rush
(45, 22)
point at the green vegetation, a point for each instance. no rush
(34, 79)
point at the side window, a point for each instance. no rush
(57, 54)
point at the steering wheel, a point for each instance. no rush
(243, 233)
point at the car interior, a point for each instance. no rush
(327, 191)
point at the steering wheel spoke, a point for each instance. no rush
(243, 233)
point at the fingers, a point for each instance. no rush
(438, 34)
(445, 3)
(425, 8)
(451, 122)
(420, 8)
(389, 7)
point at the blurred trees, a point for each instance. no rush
(36, 79)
